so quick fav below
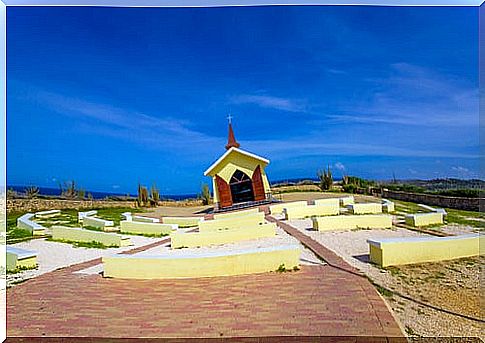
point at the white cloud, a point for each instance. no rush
(460, 169)
(312, 146)
(140, 128)
(340, 166)
(266, 101)
(412, 95)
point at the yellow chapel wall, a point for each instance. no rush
(242, 162)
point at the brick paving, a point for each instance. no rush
(328, 300)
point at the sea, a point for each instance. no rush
(100, 195)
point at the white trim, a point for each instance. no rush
(216, 163)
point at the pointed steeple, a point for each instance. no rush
(231, 140)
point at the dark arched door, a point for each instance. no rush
(241, 187)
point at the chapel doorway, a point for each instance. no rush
(241, 187)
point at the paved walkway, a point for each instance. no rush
(315, 301)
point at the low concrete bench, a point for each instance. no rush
(196, 264)
(365, 208)
(127, 216)
(397, 251)
(142, 228)
(18, 259)
(97, 222)
(345, 201)
(145, 219)
(82, 215)
(346, 222)
(25, 223)
(328, 201)
(201, 239)
(182, 221)
(432, 209)
(231, 223)
(424, 219)
(387, 206)
(47, 214)
(278, 208)
(235, 214)
(329, 209)
(81, 235)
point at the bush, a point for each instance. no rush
(325, 179)
(32, 192)
(205, 194)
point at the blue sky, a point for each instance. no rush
(111, 97)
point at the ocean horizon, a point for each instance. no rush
(48, 191)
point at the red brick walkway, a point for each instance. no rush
(315, 301)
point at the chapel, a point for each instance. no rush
(238, 177)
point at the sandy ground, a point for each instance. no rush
(55, 255)
(452, 285)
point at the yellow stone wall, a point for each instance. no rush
(388, 207)
(411, 250)
(201, 265)
(329, 201)
(235, 214)
(365, 208)
(146, 228)
(200, 239)
(348, 200)
(278, 208)
(82, 235)
(182, 221)
(424, 219)
(241, 222)
(346, 222)
(89, 221)
(300, 212)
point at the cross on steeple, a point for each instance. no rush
(231, 140)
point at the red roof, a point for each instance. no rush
(231, 140)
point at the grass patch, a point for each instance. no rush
(21, 269)
(283, 269)
(407, 207)
(67, 217)
(14, 233)
(409, 331)
(92, 244)
(466, 218)
(384, 291)
(393, 270)
(114, 213)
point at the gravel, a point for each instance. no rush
(55, 255)
(452, 285)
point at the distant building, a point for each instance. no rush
(238, 177)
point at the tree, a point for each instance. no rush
(31, 192)
(81, 193)
(205, 194)
(325, 179)
(142, 199)
(68, 190)
(155, 193)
